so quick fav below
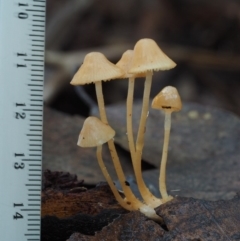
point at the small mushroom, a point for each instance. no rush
(167, 100)
(147, 57)
(94, 69)
(95, 133)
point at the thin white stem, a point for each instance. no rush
(144, 114)
(100, 100)
(129, 117)
(148, 197)
(162, 178)
(116, 194)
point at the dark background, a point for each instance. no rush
(201, 36)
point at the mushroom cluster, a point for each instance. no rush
(145, 58)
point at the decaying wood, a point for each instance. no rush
(131, 226)
(71, 211)
(68, 207)
(192, 219)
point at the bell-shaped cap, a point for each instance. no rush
(167, 99)
(96, 67)
(94, 133)
(149, 57)
(125, 62)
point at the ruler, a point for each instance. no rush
(22, 38)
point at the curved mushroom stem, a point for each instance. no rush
(146, 194)
(131, 203)
(162, 178)
(129, 117)
(148, 197)
(126, 189)
(118, 197)
(125, 186)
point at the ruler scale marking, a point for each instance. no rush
(21, 56)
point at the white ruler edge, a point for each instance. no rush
(22, 38)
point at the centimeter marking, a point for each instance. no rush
(22, 39)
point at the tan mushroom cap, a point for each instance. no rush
(148, 57)
(94, 133)
(167, 99)
(125, 62)
(96, 67)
